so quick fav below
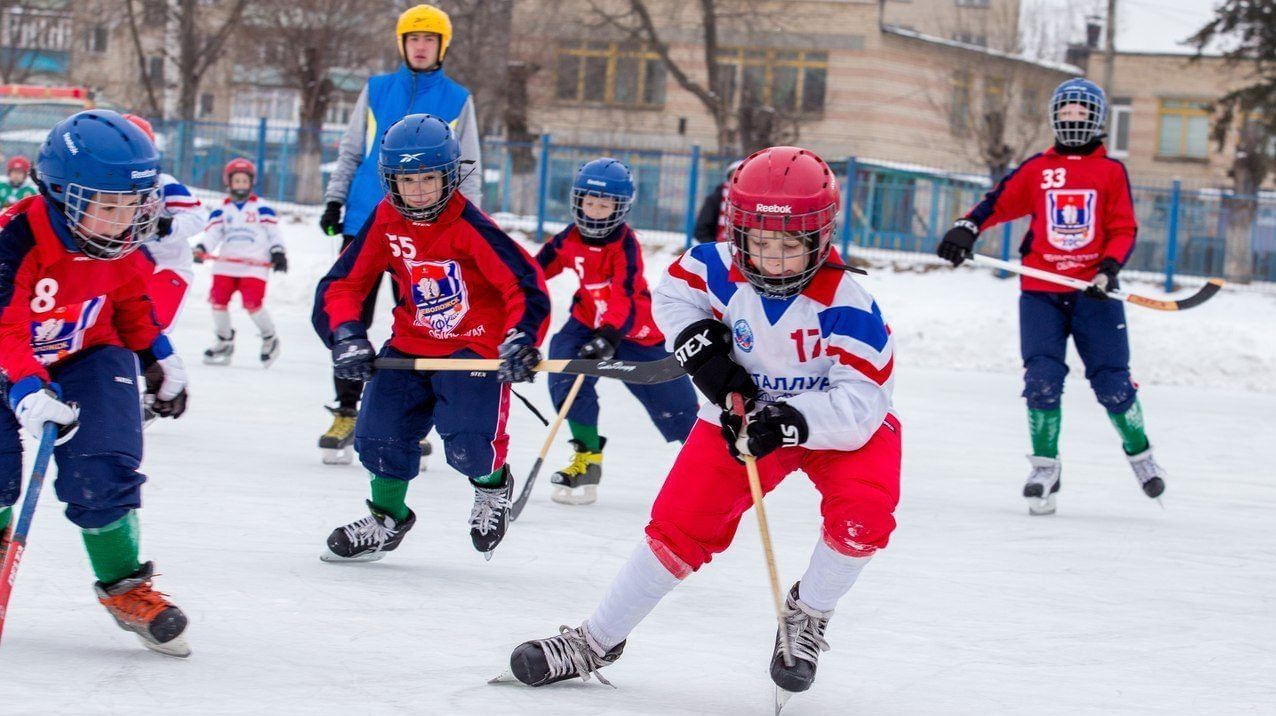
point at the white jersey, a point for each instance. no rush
(242, 237)
(826, 351)
(173, 252)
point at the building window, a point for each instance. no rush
(1119, 129)
(96, 39)
(1184, 129)
(959, 114)
(972, 3)
(154, 12)
(1031, 103)
(275, 104)
(609, 73)
(971, 38)
(791, 81)
(155, 69)
(205, 104)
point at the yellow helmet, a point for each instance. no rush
(425, 18)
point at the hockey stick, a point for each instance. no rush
(645, 372)
(526, 493)
(1192, 300)
(13, 556)
(237, 260)
(755, 487)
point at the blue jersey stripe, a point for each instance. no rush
(864, 326)
(717, 275)
(536, 303)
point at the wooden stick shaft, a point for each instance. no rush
(562, 414)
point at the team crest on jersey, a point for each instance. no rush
(743, 335)
(62, 332)
(1070, 218)
(439, 294)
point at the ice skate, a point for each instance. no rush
(338, 441)
(1150, 475)
(139, 608)
(804, 628)
(569, 654)
(221, 351)
(490, 516)
(368, 538)
(269, 350)
(1043, 482)
(577, 484)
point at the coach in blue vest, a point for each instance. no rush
(423, 34)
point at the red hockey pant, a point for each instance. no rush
(251, 291)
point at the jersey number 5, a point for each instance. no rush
(1053, 178)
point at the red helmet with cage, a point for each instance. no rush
(239, 165)
(142, 124)
(19, 163)
(778, 195)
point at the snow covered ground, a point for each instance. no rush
(1112, 606)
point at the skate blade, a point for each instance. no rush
(337, 456)
(176, 647)
(216, 361)
(505, 677)
(1041, 505)
(587, 495)
(267, 361)
(487, 556)
(329, 556)
(781, 698)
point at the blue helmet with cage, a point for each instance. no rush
(607, 178)
(1078, 110)
(101, 174)
(419, 144)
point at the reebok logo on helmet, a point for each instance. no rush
(66, 137)
(404, 159)
(147, 174)
(774, 208)
(595, 182)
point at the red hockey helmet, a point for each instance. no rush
(142, 124)
(777, 195)
(19, 163)
(239, 165)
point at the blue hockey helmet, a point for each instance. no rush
(1078, 110)
(420, 144)
(608, 178)
(101, 172)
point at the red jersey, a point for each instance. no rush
(462, 282)
(55, 301)
(613, 291)
(1082, 212)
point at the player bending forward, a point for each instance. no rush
(466, 290)
(770, 315)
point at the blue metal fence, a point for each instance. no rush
(888, 206)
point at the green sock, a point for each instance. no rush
(1044, 428)
(6, 516)
(1130, 425)
(495, 479)
(587, 435)
(390, 495)
(113, 549)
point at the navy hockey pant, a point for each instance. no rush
(400, 407)
(672, 406)
(1097, 326)
(97, 469)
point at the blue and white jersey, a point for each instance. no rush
(242, 235)
(826, 351)
(173, 251)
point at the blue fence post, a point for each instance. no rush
(283, 166)
(848, 208)
(183, 170)
(692, 181)
(1006, 237)
(1172, 234)
(506, 168)
(261, 147)
(543, 190)
(932, 231)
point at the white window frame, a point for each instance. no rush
(1121, 113)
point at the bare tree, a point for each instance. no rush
(26, 28)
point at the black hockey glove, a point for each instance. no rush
(352, 353)
(330, 222)
(166, 379)
(518, 359)
(163, 226)
(278, 261)
(959, 242)
(703, 349)
(1105, 280)
(775, 426)
(199, 254)
(603, 345)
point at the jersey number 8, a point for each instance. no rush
(43, 296)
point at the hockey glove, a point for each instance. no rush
(518, 359)
(169, 392)
(352, 353)
(330, 222)
(1105, 280)
(603, 345)
(278, 261)
(163, 226)
(35, 402)
(703, 349)
(199, 253)
(958, 244)
(775, 426)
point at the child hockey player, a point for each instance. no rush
(19, 185)
(74, 320)
(611, 318)
(768, 317)
(1083, 226)
(466, 291)
(245, 234)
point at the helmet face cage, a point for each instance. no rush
(110, 239)
(1077, 113)
(598, 228)
(814, 229)
(389, 181)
